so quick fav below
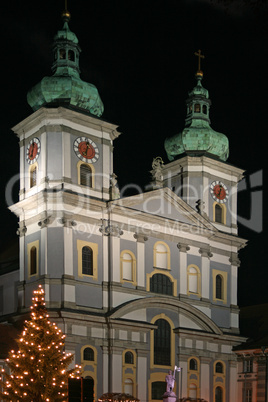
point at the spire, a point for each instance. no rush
(198, 138)
(65, 87)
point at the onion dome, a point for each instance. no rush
(197, 137)
(65, 86)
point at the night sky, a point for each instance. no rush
(140, 56)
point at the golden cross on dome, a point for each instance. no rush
(200, 56)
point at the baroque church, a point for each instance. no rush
(140, 284)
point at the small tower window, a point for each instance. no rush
(62, 54)
(205, 109)
(85, 175)
(33, 174)
(218, 213)
(197, 108)
(71, 55)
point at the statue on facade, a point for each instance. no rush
(156, 172)
(170, 380)
(114, 190)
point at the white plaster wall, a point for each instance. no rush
(142, 378)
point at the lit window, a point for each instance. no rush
(87, 261)
(162, 343)
(62, 54)
(197, 108)
(160, 283)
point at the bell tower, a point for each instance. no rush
(198, 170)
(66, 174)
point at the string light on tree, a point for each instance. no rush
(39, 369)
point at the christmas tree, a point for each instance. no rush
(39, 369)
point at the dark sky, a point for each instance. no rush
(140, 55)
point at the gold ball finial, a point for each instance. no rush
(66, 15)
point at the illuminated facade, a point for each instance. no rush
(138, 284)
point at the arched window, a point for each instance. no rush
(88, 354)
(219, 368)
(161, 255)
(158, 390)
(129, 358)
(162, 343)
(71, 55)
(87, 261)
(33, 174)
(218, 213)
(33, 261)
(62, 54)
(218, 394)
(204, 109)
(219, 287)
(193, 364)
(85, 175)
(197, 108)
(160, 283)
(193, 277)
(128, 266)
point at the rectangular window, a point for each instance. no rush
(248, 366)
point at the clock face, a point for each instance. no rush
(219, 191)
(86, 149)
(33, 150)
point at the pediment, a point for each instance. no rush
(164, 203)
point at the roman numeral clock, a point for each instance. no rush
(33, 150)
(219, 191)
(86, 150)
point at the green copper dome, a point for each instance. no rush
(65, 86)
(198, 138)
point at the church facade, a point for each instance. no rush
(140, 284)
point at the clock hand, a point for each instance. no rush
(85, 152)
